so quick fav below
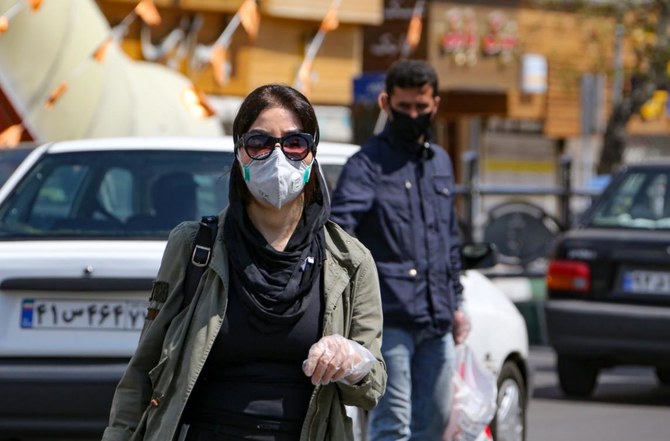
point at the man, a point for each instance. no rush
(397, 196)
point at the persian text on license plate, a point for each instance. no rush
(82, 314)
(654, 282)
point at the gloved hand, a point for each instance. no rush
(335, 358)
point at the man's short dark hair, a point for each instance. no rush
(407, 74)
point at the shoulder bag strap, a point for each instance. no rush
(202, 252)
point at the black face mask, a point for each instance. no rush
(407, 128)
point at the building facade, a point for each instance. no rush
(287, 31)
(520, 86)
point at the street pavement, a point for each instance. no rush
(628, 404)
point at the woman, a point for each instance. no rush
(284, 329)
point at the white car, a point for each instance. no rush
(11, 157)
(82, 233)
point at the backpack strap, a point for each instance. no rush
(202, 253)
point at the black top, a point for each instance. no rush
(252, 385)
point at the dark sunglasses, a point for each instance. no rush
(295, 146)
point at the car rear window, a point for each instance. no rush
(115, 194)
(639, 199)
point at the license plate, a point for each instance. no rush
(653, 282)
(125, 315)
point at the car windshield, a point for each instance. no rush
(115, 194)
(639, 200)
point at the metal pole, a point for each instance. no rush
(470, 159)
(617, 81)
(474, 143)
(566, 186)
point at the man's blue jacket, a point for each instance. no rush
(398, 199)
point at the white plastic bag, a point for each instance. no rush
(473, 400)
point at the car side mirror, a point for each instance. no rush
(478, 255)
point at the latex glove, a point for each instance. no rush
(335, 358)
(462, 326)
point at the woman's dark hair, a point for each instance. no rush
(267, 97)
(276, 95)
(407, 74)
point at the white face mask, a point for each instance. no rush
(276, 180)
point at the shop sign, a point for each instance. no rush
(368, 86)
(469, 35)
(398, 9)
(383, 44)
(461, 39)
(533, 73)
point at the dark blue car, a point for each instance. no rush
(608, 282)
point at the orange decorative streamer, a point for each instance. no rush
(330, 21)
(304, 75)
(196, 102)
(11, 136)
(414, 31)
(55, 95)
(218, 60)
(34, 4)
(250, 18)
(101, 51)
(147, 11)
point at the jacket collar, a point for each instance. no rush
(410, 149)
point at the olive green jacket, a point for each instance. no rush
(174, 344)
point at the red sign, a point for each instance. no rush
(466, 37)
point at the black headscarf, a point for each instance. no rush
(274, 285)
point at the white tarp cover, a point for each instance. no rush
(115, 97)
